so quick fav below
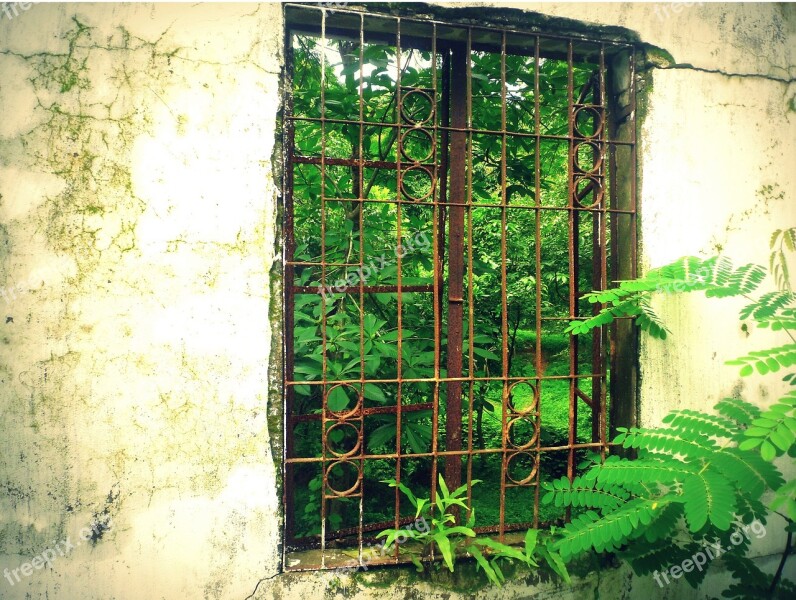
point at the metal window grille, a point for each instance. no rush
(442, 181)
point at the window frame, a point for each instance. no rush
(623, 347)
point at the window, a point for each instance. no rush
(450, 192)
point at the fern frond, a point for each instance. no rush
(743, 280)
(645, 559)
(624, 308)
(684, 443)
(778, 262)
(641, 489)
(701, 423)
(748, 470)
(765, 361)
(785, 500)
(750, 509)
(714, 275)
(619, 471)
(584, 493)
(708, 496)
(693, 272)
(740, 411)
(649, 321)
(753, 582)
(778, 323)
(768, 305)
(607, 533)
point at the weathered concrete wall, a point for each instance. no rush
(137, 234)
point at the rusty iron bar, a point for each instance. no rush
(365, 289)
(504, 324)
(459, 453)
(457, 193)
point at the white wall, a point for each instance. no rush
(137, 235)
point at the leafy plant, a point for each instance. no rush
(440, 531)
(701, 476)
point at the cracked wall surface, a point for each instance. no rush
(136, 197)
(138, 191)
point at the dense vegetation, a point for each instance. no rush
(345, 233)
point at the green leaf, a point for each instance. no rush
(373, 392)
(530, 542)
(337, 401)
(708, 496)
(416, 562)
(484, 564)
(460, 530)
(767, 451)
(444, 545)
(443, 487)
(501, 549)
(557, 564)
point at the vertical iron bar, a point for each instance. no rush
(323, 286)
(573, 269)
(439, 242)
(470, 299)
(504, 324)
(599, 267)
(538, 273)
(457, 197)
(361, 188)
(399, 297)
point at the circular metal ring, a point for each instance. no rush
(596, 155)
(432, 183)
(342, 427)
(411, 117)
(342, 415)
(580, 121)
(582, 183)
(527, 410)
(522, 480)
(510, 429)
(415, 130)
(341, 464)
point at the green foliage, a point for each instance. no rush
(700, 475)
(781, 240)
(691, 467)
(753, 584)
(715, 276)
(774, 432)
(440, 531)
(765, 361)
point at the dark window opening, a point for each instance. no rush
(450, 193)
